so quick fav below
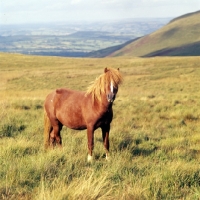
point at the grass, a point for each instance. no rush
(154, 139)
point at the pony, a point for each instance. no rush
(80, 110)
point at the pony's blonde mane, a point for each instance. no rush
(98, 87)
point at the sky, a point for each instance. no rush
(42, 11)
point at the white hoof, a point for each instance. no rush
(89, 158)
(107, 157)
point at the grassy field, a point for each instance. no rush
(154, 139)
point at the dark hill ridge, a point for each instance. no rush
(107, 51)
(180, 37)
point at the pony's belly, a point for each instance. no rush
(77, 127)
(74, 124)
(71, 118)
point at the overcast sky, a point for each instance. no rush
(33, 11)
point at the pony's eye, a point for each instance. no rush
(115, 90)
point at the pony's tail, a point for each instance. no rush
(47, 130)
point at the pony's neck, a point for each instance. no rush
(104, 104)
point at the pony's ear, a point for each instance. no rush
(105, 70)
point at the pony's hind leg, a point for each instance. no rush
(52, 139)
(58, 136)
(55, 137)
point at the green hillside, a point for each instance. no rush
(180, 37)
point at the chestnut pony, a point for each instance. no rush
(82, 110)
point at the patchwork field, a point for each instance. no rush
(154, 138)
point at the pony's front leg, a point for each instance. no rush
(90, 137)
(105, 135)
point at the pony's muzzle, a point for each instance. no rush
(110, 97)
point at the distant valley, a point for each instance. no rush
(75, 39)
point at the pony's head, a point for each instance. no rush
(106, 85)
(111, 86)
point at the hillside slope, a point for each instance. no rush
(107, 51)
(180, 37)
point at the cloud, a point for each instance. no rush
(34, 5)
(51, 10)
(75, 2)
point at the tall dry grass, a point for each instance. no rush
(154, 139)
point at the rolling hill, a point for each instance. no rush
(180, 37)
(105, 52)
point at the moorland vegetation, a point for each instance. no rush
(154, 138)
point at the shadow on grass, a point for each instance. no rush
(11, 130)
(133, 146)
(142, 152)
